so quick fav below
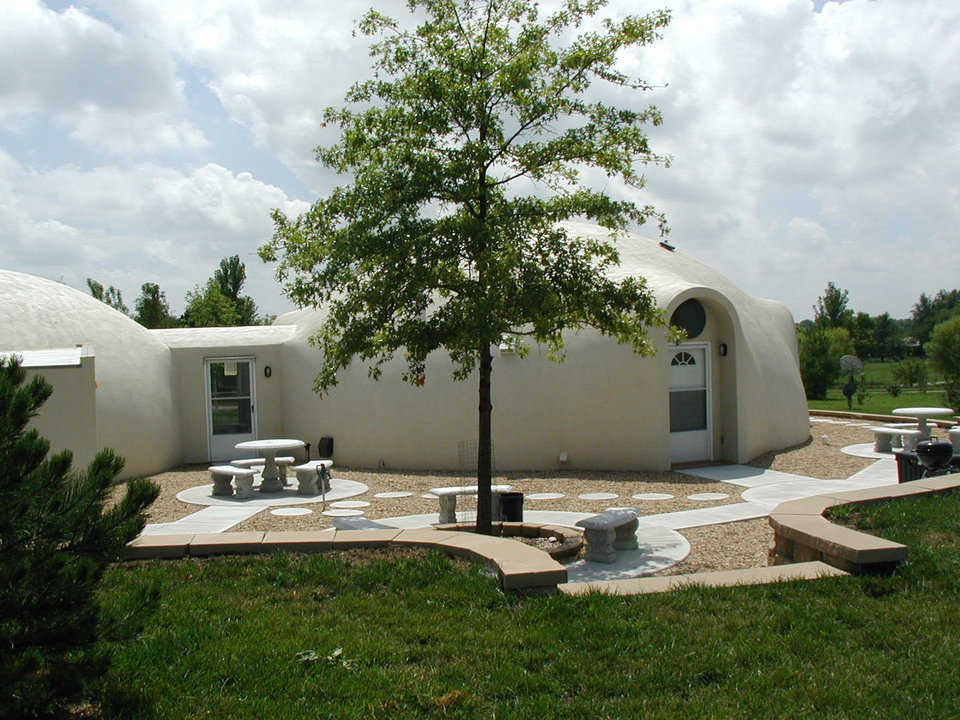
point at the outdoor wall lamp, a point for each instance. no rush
(267, 371)
(722, 349)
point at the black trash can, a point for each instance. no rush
(908, 467)
(512, 505)
(325, 448)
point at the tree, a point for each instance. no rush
(831, 308)
(862, 334)
(152, 309)
(434, 246)
(886, 337)
(219, 303)
(56, 538)
(111, 296)
(820, 350)
(943, 350)
(209, 307)
(929, 312)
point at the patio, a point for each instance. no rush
(728, 545)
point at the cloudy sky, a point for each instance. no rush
(143, 140)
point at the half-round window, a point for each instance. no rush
(683, 358)
(690, 316)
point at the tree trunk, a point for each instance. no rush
(484, 444)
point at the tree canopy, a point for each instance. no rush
(152, 309)
(465, 150)
(111, 296)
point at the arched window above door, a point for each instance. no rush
(683, 358)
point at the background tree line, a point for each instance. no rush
(217, 303)
(932, 332)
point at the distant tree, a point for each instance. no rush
(152, 309)
(56, 539)
(831, 309)
(886, 338)
(819, 366)
(929, 312)
(862, 334)
(943, 350)
(437, 243)
(230, 276)
(209, 307)
(111, 296)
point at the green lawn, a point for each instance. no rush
(381, 636)
(881, 402)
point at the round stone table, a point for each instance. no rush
(921, 414)
(270, 449)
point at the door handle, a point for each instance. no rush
(251, 408)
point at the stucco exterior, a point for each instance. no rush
(136, 414)
(602, 408)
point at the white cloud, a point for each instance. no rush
(114, 91)
(125, 227)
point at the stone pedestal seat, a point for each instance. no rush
(222, 475)
(308, 475)
(609, 532)
(448, 500)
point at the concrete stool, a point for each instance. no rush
(909, 439)
(223, 474)
(954, 435)
(882, 437)
(608, 532)
(308, 473)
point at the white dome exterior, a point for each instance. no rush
(602, 408)
(135, 409)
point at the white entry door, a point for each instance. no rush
(690, 433)
(231, 405)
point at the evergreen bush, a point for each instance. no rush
(56, 537)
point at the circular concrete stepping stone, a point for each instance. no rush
(350, 504)
(288, 512)
(708, 496)
(394, 494)
(631, 509)
(598, 496)
(429, 496)
(342, 512)
(652, 496)
(544, 496)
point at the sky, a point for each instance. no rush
(143, 141)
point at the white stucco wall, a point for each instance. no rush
(604, 406)
(136, 414)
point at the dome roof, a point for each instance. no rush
(135, 410)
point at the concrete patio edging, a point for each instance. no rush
(519, 566)
(802, 533)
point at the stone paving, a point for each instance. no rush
(660, 545)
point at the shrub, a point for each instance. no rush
(894, 389)
(56, 538)
(910, 371)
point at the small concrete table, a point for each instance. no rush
(921, 414)
(271, 482)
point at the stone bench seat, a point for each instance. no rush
(884, 434)
(608, 532)
(258, 463)
(308, 475)
(222, 475)
(448, 500)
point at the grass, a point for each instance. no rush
(413, 636)
(881, 403)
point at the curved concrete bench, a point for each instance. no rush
(519, 566)
(801, 533)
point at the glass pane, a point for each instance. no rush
(688, 410)
(231, 417)
(230, 378)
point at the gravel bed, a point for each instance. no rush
(716, 547)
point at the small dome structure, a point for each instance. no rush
(134, 405)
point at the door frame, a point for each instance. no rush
(705, 345)
(208, 400)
